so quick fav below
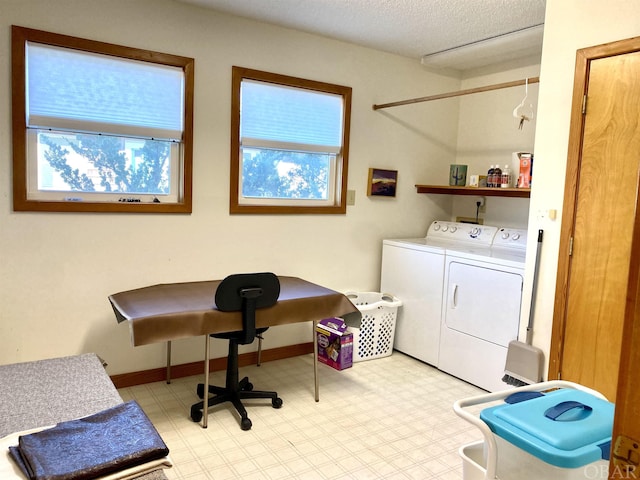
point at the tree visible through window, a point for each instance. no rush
(281, 174)
(290, 141)
(84, 163)
(99, 127)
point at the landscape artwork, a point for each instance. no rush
(382, 182)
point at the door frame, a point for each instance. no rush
(584, 57)
(626, 419)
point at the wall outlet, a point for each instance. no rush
(483, 204)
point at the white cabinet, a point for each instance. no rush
(415, 275)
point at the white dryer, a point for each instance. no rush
(481, 308)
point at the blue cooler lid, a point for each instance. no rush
(564, 428)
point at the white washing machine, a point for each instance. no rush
(413, 270)
(481, 308)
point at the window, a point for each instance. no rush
(99, 127)
(289, 144)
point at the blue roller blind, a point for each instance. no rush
(297, 116)
(78, 91)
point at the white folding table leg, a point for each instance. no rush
(315, 360)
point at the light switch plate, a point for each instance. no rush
(351, 197)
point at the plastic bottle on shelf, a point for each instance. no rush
(490, 176)
(497, 176)
(506, 177)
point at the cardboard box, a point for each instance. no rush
(477, 180)
(335, 344)
(522, 169)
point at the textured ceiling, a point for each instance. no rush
(412, 28)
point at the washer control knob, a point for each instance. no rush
(453, 229)
(515, 236)
(445, 228)
(436, 227)
(475, 231)
(505, 235)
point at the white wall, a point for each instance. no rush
(488, 134)
(569, 26)
(58, 268)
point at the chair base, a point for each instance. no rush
(223, 394)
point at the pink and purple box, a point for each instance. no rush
(335, 344)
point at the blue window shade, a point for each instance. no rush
(290, 115)
(74, 90)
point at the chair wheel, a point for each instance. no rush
(248, 387)
(245, 424)
(196, 415)
(276, 402)
(200, 390)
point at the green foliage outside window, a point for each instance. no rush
(285, 175)
(104, 164)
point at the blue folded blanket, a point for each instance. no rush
(106, 442)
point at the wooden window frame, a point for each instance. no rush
(19, 38)
(340, 199)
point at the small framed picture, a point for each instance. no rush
(382, 182)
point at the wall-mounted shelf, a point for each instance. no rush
(478, 191)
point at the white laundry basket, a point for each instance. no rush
(374, 338)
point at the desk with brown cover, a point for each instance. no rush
(166, 312)
(180, 310)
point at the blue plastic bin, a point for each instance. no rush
(564, 428)
(539, 434)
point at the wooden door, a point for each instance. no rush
(603, 225)
(598, 218)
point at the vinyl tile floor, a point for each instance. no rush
(384, 418)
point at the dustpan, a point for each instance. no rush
(525, 362)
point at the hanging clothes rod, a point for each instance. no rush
(459, 93)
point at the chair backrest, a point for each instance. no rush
(247, 292)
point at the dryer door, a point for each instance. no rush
(483, 302)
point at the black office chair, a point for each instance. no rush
(244, 292)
